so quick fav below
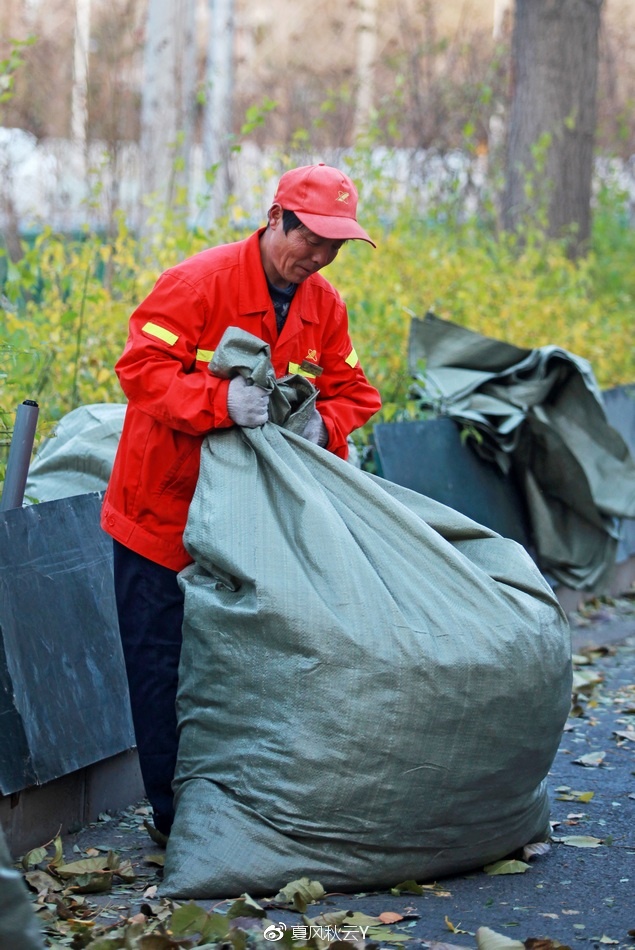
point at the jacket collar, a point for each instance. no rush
(253, 293)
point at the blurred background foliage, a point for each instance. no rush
(67, 301)
(66, 298)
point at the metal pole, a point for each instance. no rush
(19, 455)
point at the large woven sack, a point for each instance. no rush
(372, 686)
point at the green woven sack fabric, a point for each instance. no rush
(540, 411)
(372, 686)
(19, 929)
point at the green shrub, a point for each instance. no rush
(530, 295)
(66, 302)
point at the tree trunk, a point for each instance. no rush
(79, 100)
(502, 9)
(366, 53)
(167, 105)
(552, 117)
(217, 118)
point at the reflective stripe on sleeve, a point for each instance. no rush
(160, 333)
(352, 359)
(204, 355)
(297, 369)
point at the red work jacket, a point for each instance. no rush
(174, 402)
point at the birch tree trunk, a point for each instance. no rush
(79, 98)
(366, 53)
(553, 116)
(502, 8)
(167, 106)
(217, 117)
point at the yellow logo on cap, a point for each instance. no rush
(342, 196)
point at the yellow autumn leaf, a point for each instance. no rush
(581, 841)
(85, 866)
(507, 866)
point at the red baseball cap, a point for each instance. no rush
(325, 201)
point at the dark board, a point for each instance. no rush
(430, 458)
(63, 690)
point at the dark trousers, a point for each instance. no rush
(150, 611)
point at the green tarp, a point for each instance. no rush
(77, 458)
(541, 411)
(372, 686)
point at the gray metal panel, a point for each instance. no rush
(64, 701)
(619, 405)
(429, 457)
(15, 764)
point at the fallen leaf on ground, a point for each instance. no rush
(37, 855)
(572, 796)
(245, 906)
(581, 841)
(158, 859)
(300, 893)
(94, 882)
(507, 866)
(86, 866)
(487, 939)
(455, 929)
(390, 917)
(378, 935)
(407, 887)
(535, 849)
(42, 881)
(585, 680)
(591, 760)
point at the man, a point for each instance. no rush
(267, 285)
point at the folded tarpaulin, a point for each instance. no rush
(372, 686)
(539, 410)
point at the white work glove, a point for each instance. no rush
(315, 430)
(247, 404)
